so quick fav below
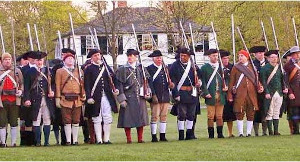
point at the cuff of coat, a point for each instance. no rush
(121, 97)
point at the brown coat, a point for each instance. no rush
(294, 86)
(72, 86)
(18, 79)
(246, 88)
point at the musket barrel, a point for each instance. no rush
(37, 37)
(233, 39)
(295, 32)
(2, 40)
(264, 33)
(60, 40)
(30, 38)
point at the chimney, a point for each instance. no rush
(122, 4)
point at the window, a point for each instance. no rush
(146, 42)
(83, 45)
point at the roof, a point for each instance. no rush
(145, 19)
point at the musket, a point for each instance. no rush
(264, 33)
(251, 61)
(76, 56)
(30, 38)
(2, 40)
(295, 32)
(146, 93)
(95, 39)
(277, 48)
(220, 59)
(47, 61)
(233, 39)
(184, 36)
(92, 36)
(163, 63)
(60, 40)
(37, 37)
(15, 60)
(194, 56)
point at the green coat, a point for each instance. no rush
(274, 85)
(206, 71)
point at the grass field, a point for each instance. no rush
(275, 148)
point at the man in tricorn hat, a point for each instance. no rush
(133, 96)
(272, 80)
(259, 62)
(292, 69)
(26, 132)
(185, 92)
(38, 99)
(100, 95)
(160, 101)
(243, 84)
(213, 92)
(228, 114)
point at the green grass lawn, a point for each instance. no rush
(275, 148)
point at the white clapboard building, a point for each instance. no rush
(146, 20)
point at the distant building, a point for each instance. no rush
(145, 20)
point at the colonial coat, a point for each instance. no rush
(206, 72)
(18, 79)
(35, 86)
(261, 113)
(246, 88)
(160, 84)
(130, 81)
(66, 84)
(228, 114)
(275, 84)
(294, 86)
(90, 75)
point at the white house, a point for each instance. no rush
(145, 20)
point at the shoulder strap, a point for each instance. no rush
(71, 74)
(157, 72)
(97, 80)
(272, 74)
(212, 76)
(293, 73)
(4, 74)
(185, 74)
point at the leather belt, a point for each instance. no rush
(186, 88)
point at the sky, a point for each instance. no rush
(131, 3)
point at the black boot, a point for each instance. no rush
(154, 138)
(264, 127)
(193, 129)
(256, 127)
(63, 136)
(162, 137)
(220, 131)
(188, 134)
(211, 132)
(46, 130)
(270, 122)
(276, 125)
(37, 135)
(296, 126)
(181, 135)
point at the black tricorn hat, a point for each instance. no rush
(39, 55)
(19, 58)
(155, 53)
(29, 54)
(132, 52)
(270, 52)
(224, 53)
(92, 52)
(256, 49)
(287, 53)
(184, 50)
(65, 50)
(210, 51)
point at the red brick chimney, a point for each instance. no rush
(122, 4)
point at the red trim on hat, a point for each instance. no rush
(68, 55)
